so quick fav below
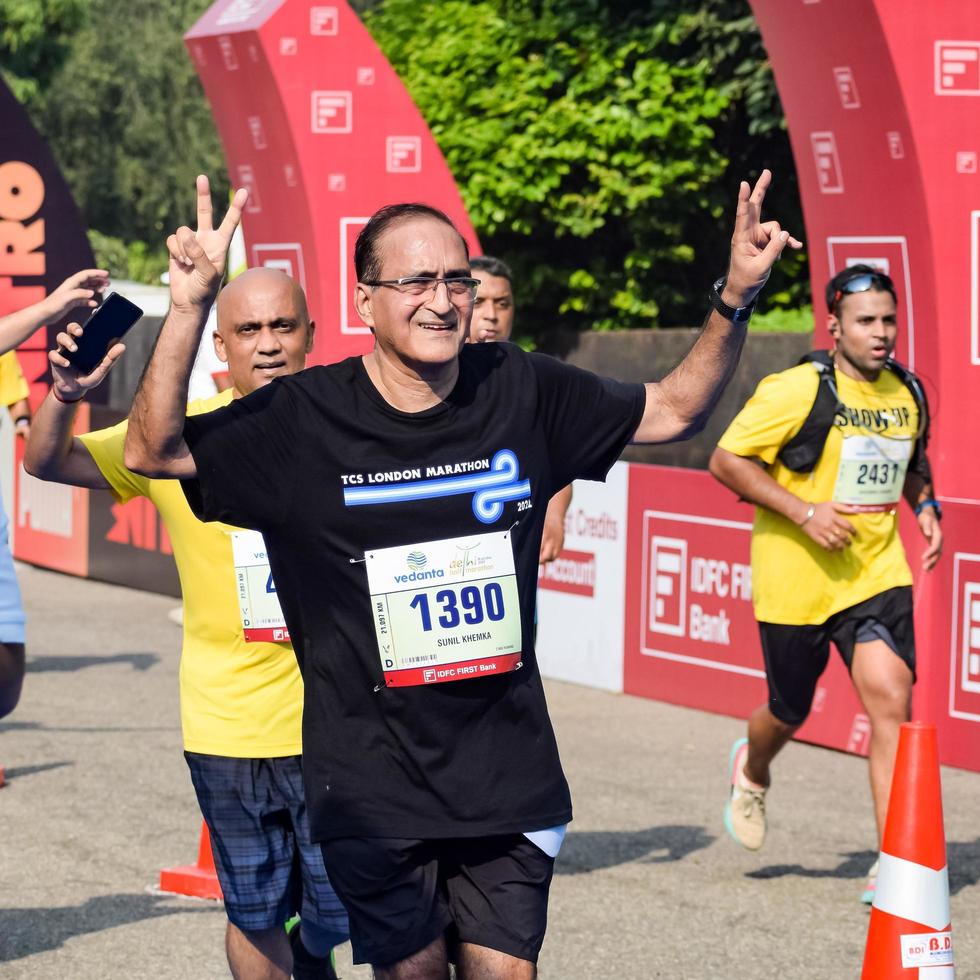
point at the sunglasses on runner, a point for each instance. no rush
(861, 283)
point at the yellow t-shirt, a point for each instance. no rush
(794, 580)
(236, 698)
(13, 386)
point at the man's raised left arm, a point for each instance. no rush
(679, 406)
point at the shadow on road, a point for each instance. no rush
(20, 726)
(854, 865)
(593, 850)
(27, 931)
(18, 772)
(36, 726)
(45, 665)
(963, 860)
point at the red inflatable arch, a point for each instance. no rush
(882, 100)
(317, 125)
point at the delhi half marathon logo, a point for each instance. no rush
(467, 563)
(416, 561)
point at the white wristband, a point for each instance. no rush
(811, 510)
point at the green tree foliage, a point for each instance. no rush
(136, 260)
(35, 38)
(750, 134)
(598, 143)
(128, 121)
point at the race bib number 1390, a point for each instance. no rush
(446, 610)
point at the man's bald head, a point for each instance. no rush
(257, 288)
(264, 328)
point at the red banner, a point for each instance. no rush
(691, 635)
(463, 670)
(51, 520)
(266, 634)
(571, 571)
(948, 640)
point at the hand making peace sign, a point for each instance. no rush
(197, 258)
(756, 244)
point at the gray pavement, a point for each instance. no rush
(648, 884)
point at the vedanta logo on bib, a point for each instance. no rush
(421, 576)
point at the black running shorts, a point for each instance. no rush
(796, 656)
(403, 894)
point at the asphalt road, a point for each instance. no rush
(647, 885)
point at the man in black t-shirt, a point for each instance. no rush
(401, 496)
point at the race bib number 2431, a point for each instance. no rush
(871, 473)
(446, 610)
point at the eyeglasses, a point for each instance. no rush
(862, 283)
(460, 289)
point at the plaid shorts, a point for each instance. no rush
(267, 865)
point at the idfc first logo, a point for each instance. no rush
(675, 579)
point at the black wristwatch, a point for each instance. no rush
(737, 314)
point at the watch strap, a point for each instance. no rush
(737, 314)
(930, 502)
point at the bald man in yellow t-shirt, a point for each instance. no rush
(828, 564)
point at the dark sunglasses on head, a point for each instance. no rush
(862, 283)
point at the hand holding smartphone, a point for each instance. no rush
(105, 327)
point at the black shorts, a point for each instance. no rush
(402, 894)
(796, 656)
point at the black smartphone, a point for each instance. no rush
(103, 328)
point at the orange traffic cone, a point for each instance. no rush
(910, 935)
(199, 880)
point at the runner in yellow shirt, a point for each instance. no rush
(827, 560)
(241, 696)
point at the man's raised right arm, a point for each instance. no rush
(155, 445)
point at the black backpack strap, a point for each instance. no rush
(919, 463)
(803, 451)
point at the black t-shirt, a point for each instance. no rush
(469, 757)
